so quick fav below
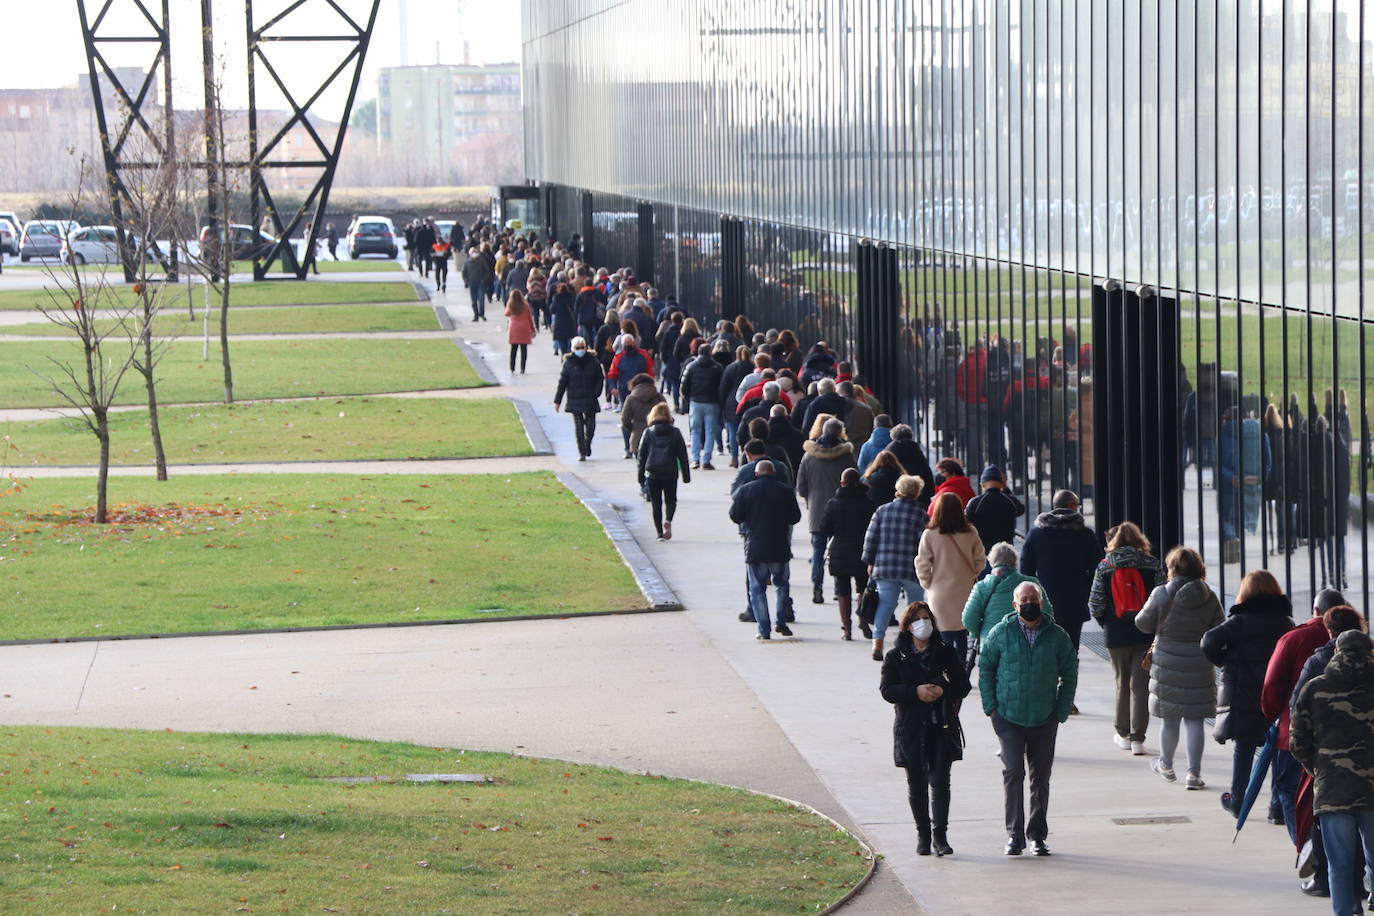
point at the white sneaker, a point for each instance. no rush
(1194, 781)
(1138, 748)
(1165, 773)
(1122, 742)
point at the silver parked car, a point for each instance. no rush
(43, 238)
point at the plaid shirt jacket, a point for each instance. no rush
(893, 538)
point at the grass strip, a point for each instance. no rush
(305, 319)
(262, 369)
(179, 822)
(263, 551)
(283, 292)
(344, 266)
(340, 429)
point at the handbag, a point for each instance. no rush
(1148, 659)
(868, 604)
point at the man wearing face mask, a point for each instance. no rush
(1027, 675)
(581, 379)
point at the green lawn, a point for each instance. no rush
(341, 429)
(262, 369)
(173, 322)
(254, 551)
(276, 292)
(368, 266)
(100, 820)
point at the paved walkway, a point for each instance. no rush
(692, 694)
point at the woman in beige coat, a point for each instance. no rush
(947, 565)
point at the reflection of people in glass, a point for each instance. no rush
(971, 387)
(1200, 416)
(1244, 462)
(1277, 517)
(1081, 475)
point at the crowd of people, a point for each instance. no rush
(935, 551)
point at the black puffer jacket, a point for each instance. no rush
(913, 459)
(1241, 647)
(580, 379)
(846, 521)
(917, 725)
(701, 381)
(781, 432)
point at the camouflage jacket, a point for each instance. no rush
(1331, 734)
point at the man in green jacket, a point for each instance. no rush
(1027, 674)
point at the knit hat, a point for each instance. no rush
(1353, 642)
(991, 472)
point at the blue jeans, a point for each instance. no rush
(888, 590)
(818, 542)
(703, 418)
(731, 435)
(1287, 777)
(759, 574)
(1343, 835)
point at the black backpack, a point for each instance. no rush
(661, 462)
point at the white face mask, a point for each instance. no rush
(922, 629)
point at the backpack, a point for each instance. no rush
(1128, 590)
(661, 462)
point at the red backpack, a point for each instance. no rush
(1129, 593)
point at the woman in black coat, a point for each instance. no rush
(845, 522)
(881, 477)
(563, 308)
(662, 457)
(925, 680)
(1241, 647)
(581, 379)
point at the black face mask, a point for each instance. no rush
(1029, 612)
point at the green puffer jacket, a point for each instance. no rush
(1027, 685)
(990, 600)
(1330, 734)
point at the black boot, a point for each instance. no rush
(939, 803)
(846, 619)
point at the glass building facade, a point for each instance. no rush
(1117, 245)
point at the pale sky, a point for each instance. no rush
(43, 47)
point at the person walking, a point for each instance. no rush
(439, 258)
(767, 509)
(1331, 738)
(912, 458)
(625, 365)
(563, 318)
(634, 415)
(878, 440)
(953, 480)
(701, 391)
(1241, 647)
(332, 240)
(925, 682)
(521, 331)
(1063, 554)
(477, 276)
(662, 457)
(537, 295)
(882, 475)
(1027, 676)
(950, 561)
(994, 511)
(581, 380)
(822, 465)
(990, 601)
(1121, 585)
(844, 523)
(1292, 652)
(424, 245)
(1183, 686)
(891, 544)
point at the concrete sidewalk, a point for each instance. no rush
(823, 694)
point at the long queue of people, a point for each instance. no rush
(893, 532)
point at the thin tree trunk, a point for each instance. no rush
(224, 342)
(102, 432)
(154, 426)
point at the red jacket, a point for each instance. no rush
(757, 392)
(1292, 652)
(971, 382)
(961, 488)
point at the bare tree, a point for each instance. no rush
(83, 303)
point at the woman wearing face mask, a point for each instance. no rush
(581, 379)
(924, 679)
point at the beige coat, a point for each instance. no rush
(947, 566)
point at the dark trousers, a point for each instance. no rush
(479, 301)
(584, 422)
(440, 273)
(1022, 748)
(818, 543)
(1074, 627)
(927, 792)
(662, 493)
(523, 350)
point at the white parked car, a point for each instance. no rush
(91, 245)
(9, 238)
